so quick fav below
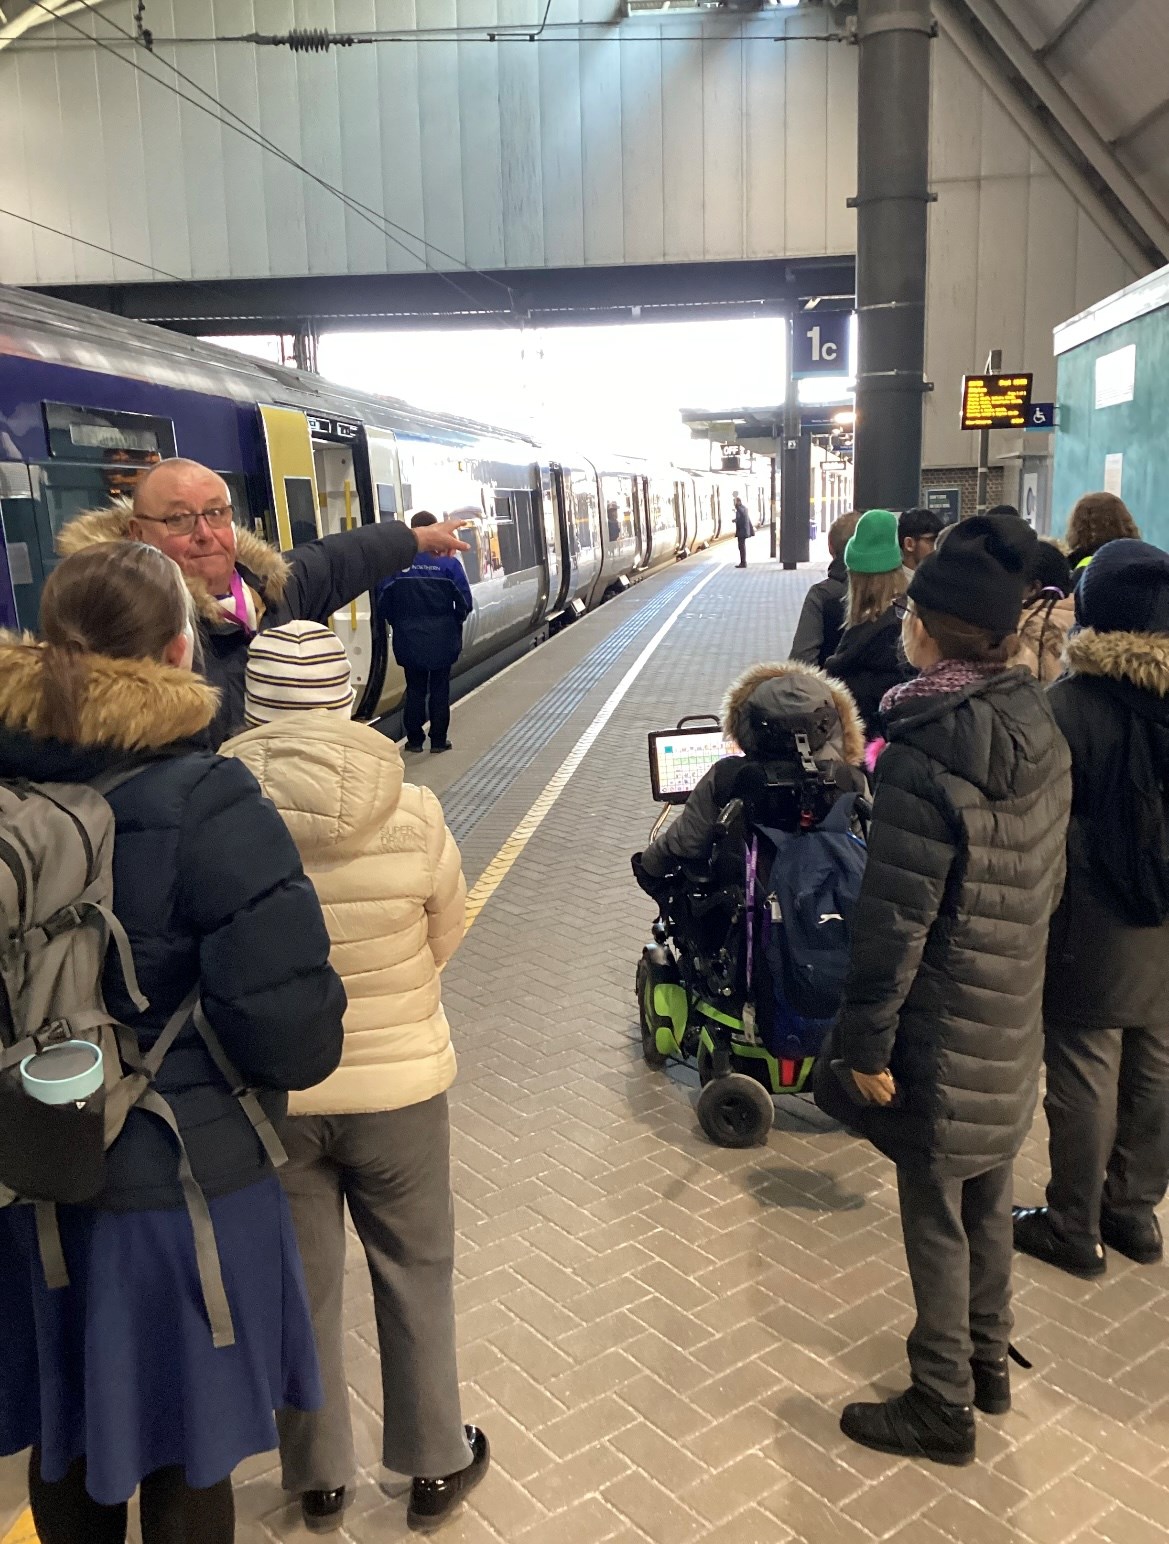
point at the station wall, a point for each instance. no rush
(677, 138)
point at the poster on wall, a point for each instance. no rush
(1114, 473)
(1029, 497)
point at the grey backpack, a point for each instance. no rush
(56, 927)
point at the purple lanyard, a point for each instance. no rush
(752, 870)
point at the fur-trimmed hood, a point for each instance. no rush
(256, 558)
(128, 705)
(786, 689)
(1141, 659)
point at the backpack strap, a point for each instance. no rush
(246, 1096)
(75, 916)
(840, 816)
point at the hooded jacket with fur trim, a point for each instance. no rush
(209, 887)
(1108, 957)
(787, 692)
(307, 584)
(390, 882)
(965, 866)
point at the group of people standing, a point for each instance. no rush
(1014, 911)
(269, 855)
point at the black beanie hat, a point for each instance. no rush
(1125, 589)
(979, 573)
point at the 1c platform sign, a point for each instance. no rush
(996, 401)
(820, 344)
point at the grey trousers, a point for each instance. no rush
(392, 1168)
(959, 1243)
(1107, 1107)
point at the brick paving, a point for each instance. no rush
(657, 1334)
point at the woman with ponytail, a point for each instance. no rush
(113, 1381)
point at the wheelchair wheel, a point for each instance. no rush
(649, 1044)
(735, 1111)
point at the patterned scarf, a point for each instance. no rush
(940, 680)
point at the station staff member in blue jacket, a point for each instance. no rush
(425, 607)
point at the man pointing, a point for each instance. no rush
(240, 584)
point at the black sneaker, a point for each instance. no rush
(914, 1425)
(416, 746)
(433, 1501)
(439, 745)
(1034, 1235)
(323, 1510)
(1139, 1241)
(992, 1381)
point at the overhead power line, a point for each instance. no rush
(233, 120)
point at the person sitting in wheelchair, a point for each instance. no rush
(765, 712)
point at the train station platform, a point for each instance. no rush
(658, 1334)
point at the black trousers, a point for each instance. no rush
(1107, 1107)
(959, 1244)
(172, 1513)
(428, 696)
(742, 541)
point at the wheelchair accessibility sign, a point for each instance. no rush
(1041, 415)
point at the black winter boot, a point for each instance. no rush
(992, 1381)
(914, 1425)
(1035, 1235)
(1139, 1241)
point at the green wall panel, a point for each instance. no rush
(1139, 430)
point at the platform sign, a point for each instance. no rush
(996, 401)
(820, 345)
(1040, 415)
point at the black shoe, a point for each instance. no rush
(439, 745)
(1034, 1235)
(914, 1425)
(992, 1381)
(1138, 1241)
(433, 1501)
(415, 745)
(323, 1510)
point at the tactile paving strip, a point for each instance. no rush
(472, 796)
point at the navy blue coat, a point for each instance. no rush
(209, 887)
(425, 608)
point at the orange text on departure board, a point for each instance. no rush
(995, 401)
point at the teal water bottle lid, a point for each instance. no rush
(63, 1074)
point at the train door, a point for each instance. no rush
(561, 490)
(293, 474)
(640, 524)
(21, 572)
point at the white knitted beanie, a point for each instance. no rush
(295, 668)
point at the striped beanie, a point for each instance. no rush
(296, 668)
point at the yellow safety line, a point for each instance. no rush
(22, 1530)
(501, 865)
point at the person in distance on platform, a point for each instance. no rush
(1106, 1000)
(376, 1135)
(242, 585)
(1097, 518)
(941, 1026)
(425, 607)
(822, 616)
(744, 530)
(115, 1380)
(868, 657)
(917, 534)
(1049, 612)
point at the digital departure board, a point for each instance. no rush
(995, 401)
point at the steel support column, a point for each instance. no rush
(892, 198)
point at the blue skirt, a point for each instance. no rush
(119, 1366)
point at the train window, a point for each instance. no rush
(387, 501)
(95, 435)
(514, 532)
(472, 559)
(302, 514)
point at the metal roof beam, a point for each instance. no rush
(1072, 20)
(954, 20)
(1088, 142)
(1145, 121)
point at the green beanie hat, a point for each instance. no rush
(873, 547)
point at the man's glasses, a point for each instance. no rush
(184, 521)
(902, 607)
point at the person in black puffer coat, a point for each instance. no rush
(115, 1380)
(1106, 1001)
(822, 614)
(868, 658)
(941, 1026)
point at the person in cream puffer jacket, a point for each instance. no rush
(374, 1135)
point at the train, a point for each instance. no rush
(88, 399)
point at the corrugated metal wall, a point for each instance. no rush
(675, 139)
(678, 138)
